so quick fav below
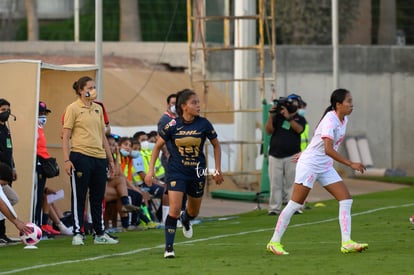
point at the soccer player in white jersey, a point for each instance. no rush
(316, 164)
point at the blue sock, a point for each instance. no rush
(124, 200)
(170, 228)
(185, 218)
(125, 222)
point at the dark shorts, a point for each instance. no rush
(191, 187)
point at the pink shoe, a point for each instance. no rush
(49, 229)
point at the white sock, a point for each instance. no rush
(345, 219)
(64, 230)
(165, 209)
(284, 220)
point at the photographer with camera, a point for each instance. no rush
(285, 125)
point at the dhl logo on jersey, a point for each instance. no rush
(187, 133)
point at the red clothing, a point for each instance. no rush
(41, 144)
(106, 119)
(168, 114)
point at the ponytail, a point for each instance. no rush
(327, 110)
(337, 96)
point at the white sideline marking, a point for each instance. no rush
(195, 241)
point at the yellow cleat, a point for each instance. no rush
(352, 247)
(276, 248)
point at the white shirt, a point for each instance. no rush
(314, 155)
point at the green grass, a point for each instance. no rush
(402, 180)
(237, 246)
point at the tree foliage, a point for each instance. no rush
(64, 30)
(157, 18)
(302, 22)
(309, 22)
(405, 19)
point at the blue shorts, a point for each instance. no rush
(191, 187)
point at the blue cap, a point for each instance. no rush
(114, 136)
(295, 96)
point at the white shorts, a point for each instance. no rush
(307, 177)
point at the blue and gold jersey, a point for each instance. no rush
(187, 145)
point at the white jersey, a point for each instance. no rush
(314, 156)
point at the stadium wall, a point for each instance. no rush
(380, 78)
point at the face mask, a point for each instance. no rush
(91, 94)
(134, 154)
(42, 120)
(145, 145)
(172, 109)
(302, 112)
(124, 152)
(4, 116)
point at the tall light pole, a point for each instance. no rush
(244, 90)
(76, 20)
(335, 38)
(98, 47)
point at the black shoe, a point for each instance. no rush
(47, 236)
(272, 213)
(4, 240)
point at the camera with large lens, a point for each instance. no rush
(285, 102)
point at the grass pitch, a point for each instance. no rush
(238, 246)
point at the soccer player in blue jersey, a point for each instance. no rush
(187, 165)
